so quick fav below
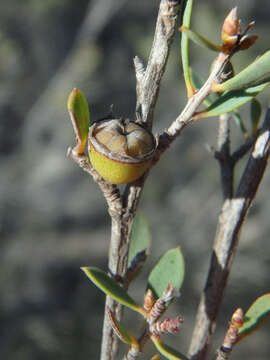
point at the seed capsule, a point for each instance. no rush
(120, 150)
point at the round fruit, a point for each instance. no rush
(120, 150)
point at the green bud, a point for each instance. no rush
(80, 118)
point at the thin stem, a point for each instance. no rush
(148, 81)
(118, 255)
(186, 116)
(231, 219)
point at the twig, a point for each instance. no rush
(231, 219)
(231, 335)
(186, 116)
(148, 83)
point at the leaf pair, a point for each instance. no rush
(169, 269)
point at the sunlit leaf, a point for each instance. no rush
(199, 39)
(256, 315)
(229, 101)
(140, 238)
(110, 287)
(184, 49)
(255, 74)
(167, 351)
(80, 118)
(170, 268)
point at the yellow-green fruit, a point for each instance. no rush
(120, 150)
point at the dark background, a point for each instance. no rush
(53, 217)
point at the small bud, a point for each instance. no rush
(230, 28)
(168, 294)
(160, 305)
(166, 326)
(232, 333)
(149, 300)
(80, 118)
(238, 318)
(232, 38)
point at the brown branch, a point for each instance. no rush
(148, 83)
(231, 219)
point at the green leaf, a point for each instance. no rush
(110, 287)
(239, 122)
(80, 118)
(140, 238)
(119, 329)
(167, 351)
(255, 74)
(123, 333)
(184, 48)
(229, 101)
(255, 113)
(169, 269)
(256, 315)
(199, 39)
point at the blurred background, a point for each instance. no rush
(53, 218)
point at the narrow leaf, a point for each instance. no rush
(255, 113)
(110, 287)
(169, 269)
(256, 315)
(255, 74)
(140, 238)
(240, 123)
(184, 49)
(80, 118)
(229, 101)
(199, 39)
(167, 351)
(119, 329)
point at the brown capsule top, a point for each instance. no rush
(124, 137)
